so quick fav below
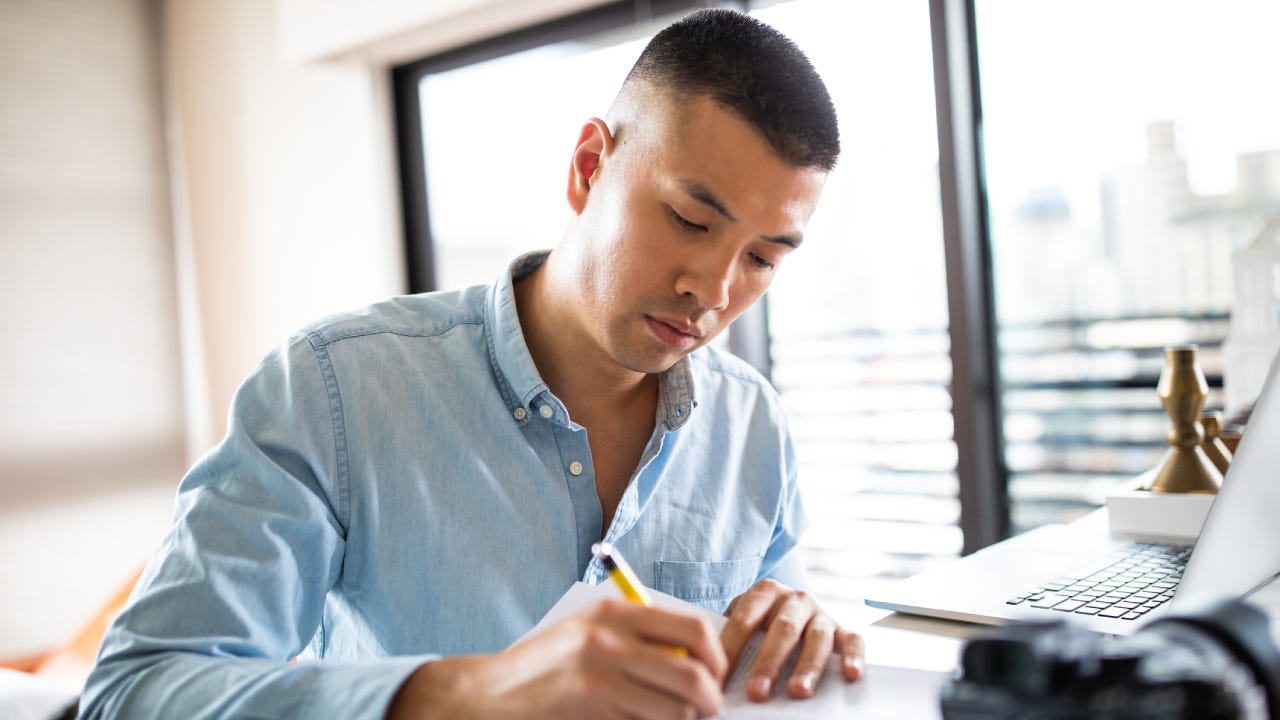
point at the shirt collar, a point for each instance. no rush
(518, 378)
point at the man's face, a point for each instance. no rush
(682, 228)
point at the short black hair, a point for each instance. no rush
(755, 71)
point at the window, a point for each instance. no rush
(497, 135)
(858, 317)
(1120, 183)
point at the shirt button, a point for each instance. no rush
(575, 468)
(520, 413)
(546, 411)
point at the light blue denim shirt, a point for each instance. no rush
(398, 484)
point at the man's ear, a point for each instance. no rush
(595, 142)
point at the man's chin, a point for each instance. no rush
(654, 363)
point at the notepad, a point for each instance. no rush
(884, 692)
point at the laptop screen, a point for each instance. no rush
(1239, 545)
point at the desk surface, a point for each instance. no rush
(906, 640)
(914, 641)
(909, 641)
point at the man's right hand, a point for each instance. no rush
(613, 660)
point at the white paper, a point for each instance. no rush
(884, 691)
(580, 595)
(887, 692)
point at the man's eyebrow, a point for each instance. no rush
(703, 194)
(791, 241)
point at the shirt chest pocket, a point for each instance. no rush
(710, 585)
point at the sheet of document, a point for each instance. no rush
(884, 692)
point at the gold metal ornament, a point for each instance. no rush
(1213, 446)
(1185, 468)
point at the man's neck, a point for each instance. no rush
(571, 362)
(617, 406)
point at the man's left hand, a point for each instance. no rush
(790, 618)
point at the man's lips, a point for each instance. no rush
(678, 334)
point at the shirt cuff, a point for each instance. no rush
(366, 689)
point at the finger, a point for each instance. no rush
(628, 646)
(852, 653)
(635, 712)
(672, 629)
(781, 638)
(683, 713)
(732, 604)
(685, 681)
(819, 638)
(628, 699)
(693, 633)
(748, 612)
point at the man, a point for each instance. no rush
(405, 490)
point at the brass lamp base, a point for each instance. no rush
(1186, 470)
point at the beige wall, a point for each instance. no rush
(390, 31)
(289, 193)
(291, 199)
(91, 413)
(182, 183)
(89, 382)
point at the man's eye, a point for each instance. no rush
(762, 263)
(687, 225)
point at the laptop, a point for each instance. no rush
(1078, 570)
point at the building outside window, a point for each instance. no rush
(1127, 162)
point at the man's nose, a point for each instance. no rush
(707, 280)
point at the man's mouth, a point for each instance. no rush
(677, 334)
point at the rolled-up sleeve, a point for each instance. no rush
(238, 586)
(781, 562)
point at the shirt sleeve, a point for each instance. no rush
(781, 562)
(237, 588)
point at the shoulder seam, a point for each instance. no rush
(320, 351)
(716, 364)
(319, 339)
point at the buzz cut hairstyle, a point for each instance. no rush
(755, 71)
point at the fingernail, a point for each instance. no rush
(807, 681)
(760, 685)
(856, 663)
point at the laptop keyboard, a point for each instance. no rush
(1128, 586)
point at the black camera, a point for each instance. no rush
(1219, 663)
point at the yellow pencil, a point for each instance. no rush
(626, 579)
(622, 573)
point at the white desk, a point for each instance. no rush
(903, 640)
(906, 640)
(894, 642)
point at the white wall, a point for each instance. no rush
(290, 208)
(392, 31)
(89, 365)
(91, 416)
(182, 183)
(287, 150)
